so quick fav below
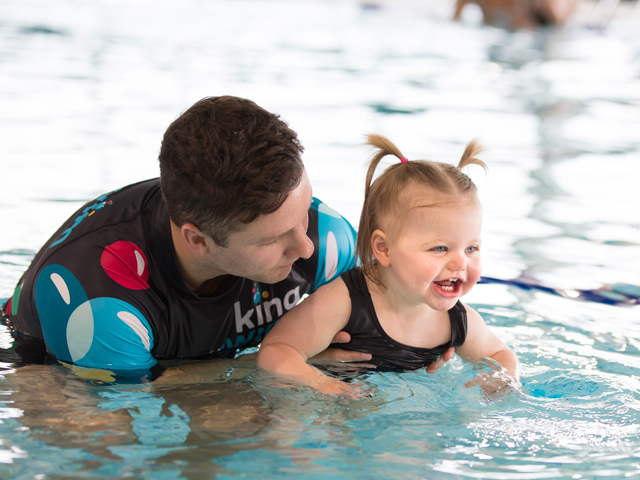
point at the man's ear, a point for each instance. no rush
(380, 247)
(194, 239)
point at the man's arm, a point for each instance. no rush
(104, 333)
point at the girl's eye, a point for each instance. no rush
(473, 249)
(439, 249)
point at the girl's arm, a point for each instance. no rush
(305, 331)
(481, 343)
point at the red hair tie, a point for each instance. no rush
(404, 160)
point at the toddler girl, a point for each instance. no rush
(419, 248)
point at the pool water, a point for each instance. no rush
(87, 89)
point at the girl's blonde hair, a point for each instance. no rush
(382, 195)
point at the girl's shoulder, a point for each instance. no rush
(332, 298)
(472, 314)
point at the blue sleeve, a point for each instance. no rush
(336, 244)
(104, 332)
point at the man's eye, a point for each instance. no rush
(272, 242)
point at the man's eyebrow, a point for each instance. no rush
(273, 237)
(270, 238)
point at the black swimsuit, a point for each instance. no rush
(367, 335)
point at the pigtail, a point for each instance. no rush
(469, 156)
(376, 197)
(385, 147)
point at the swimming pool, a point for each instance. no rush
(87, 90)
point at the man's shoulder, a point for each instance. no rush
(334, 240)
(121, 206)
(105, 245)
(95, 271)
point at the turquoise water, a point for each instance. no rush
(87, 89)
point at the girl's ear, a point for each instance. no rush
(380, 248)
(194, 239)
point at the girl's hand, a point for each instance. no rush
(494, 383)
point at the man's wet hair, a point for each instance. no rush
(226, 161)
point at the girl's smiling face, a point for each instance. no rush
(434, 258)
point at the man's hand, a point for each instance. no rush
(444, 358)
(340, 355)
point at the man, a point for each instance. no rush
(199, 263)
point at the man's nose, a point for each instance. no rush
(302, 245)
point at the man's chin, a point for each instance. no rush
(276, 275)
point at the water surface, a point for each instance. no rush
(87, 89)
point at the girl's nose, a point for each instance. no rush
(457, 263)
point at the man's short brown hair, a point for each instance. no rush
(226, 161)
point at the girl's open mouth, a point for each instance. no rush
(448, 288)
